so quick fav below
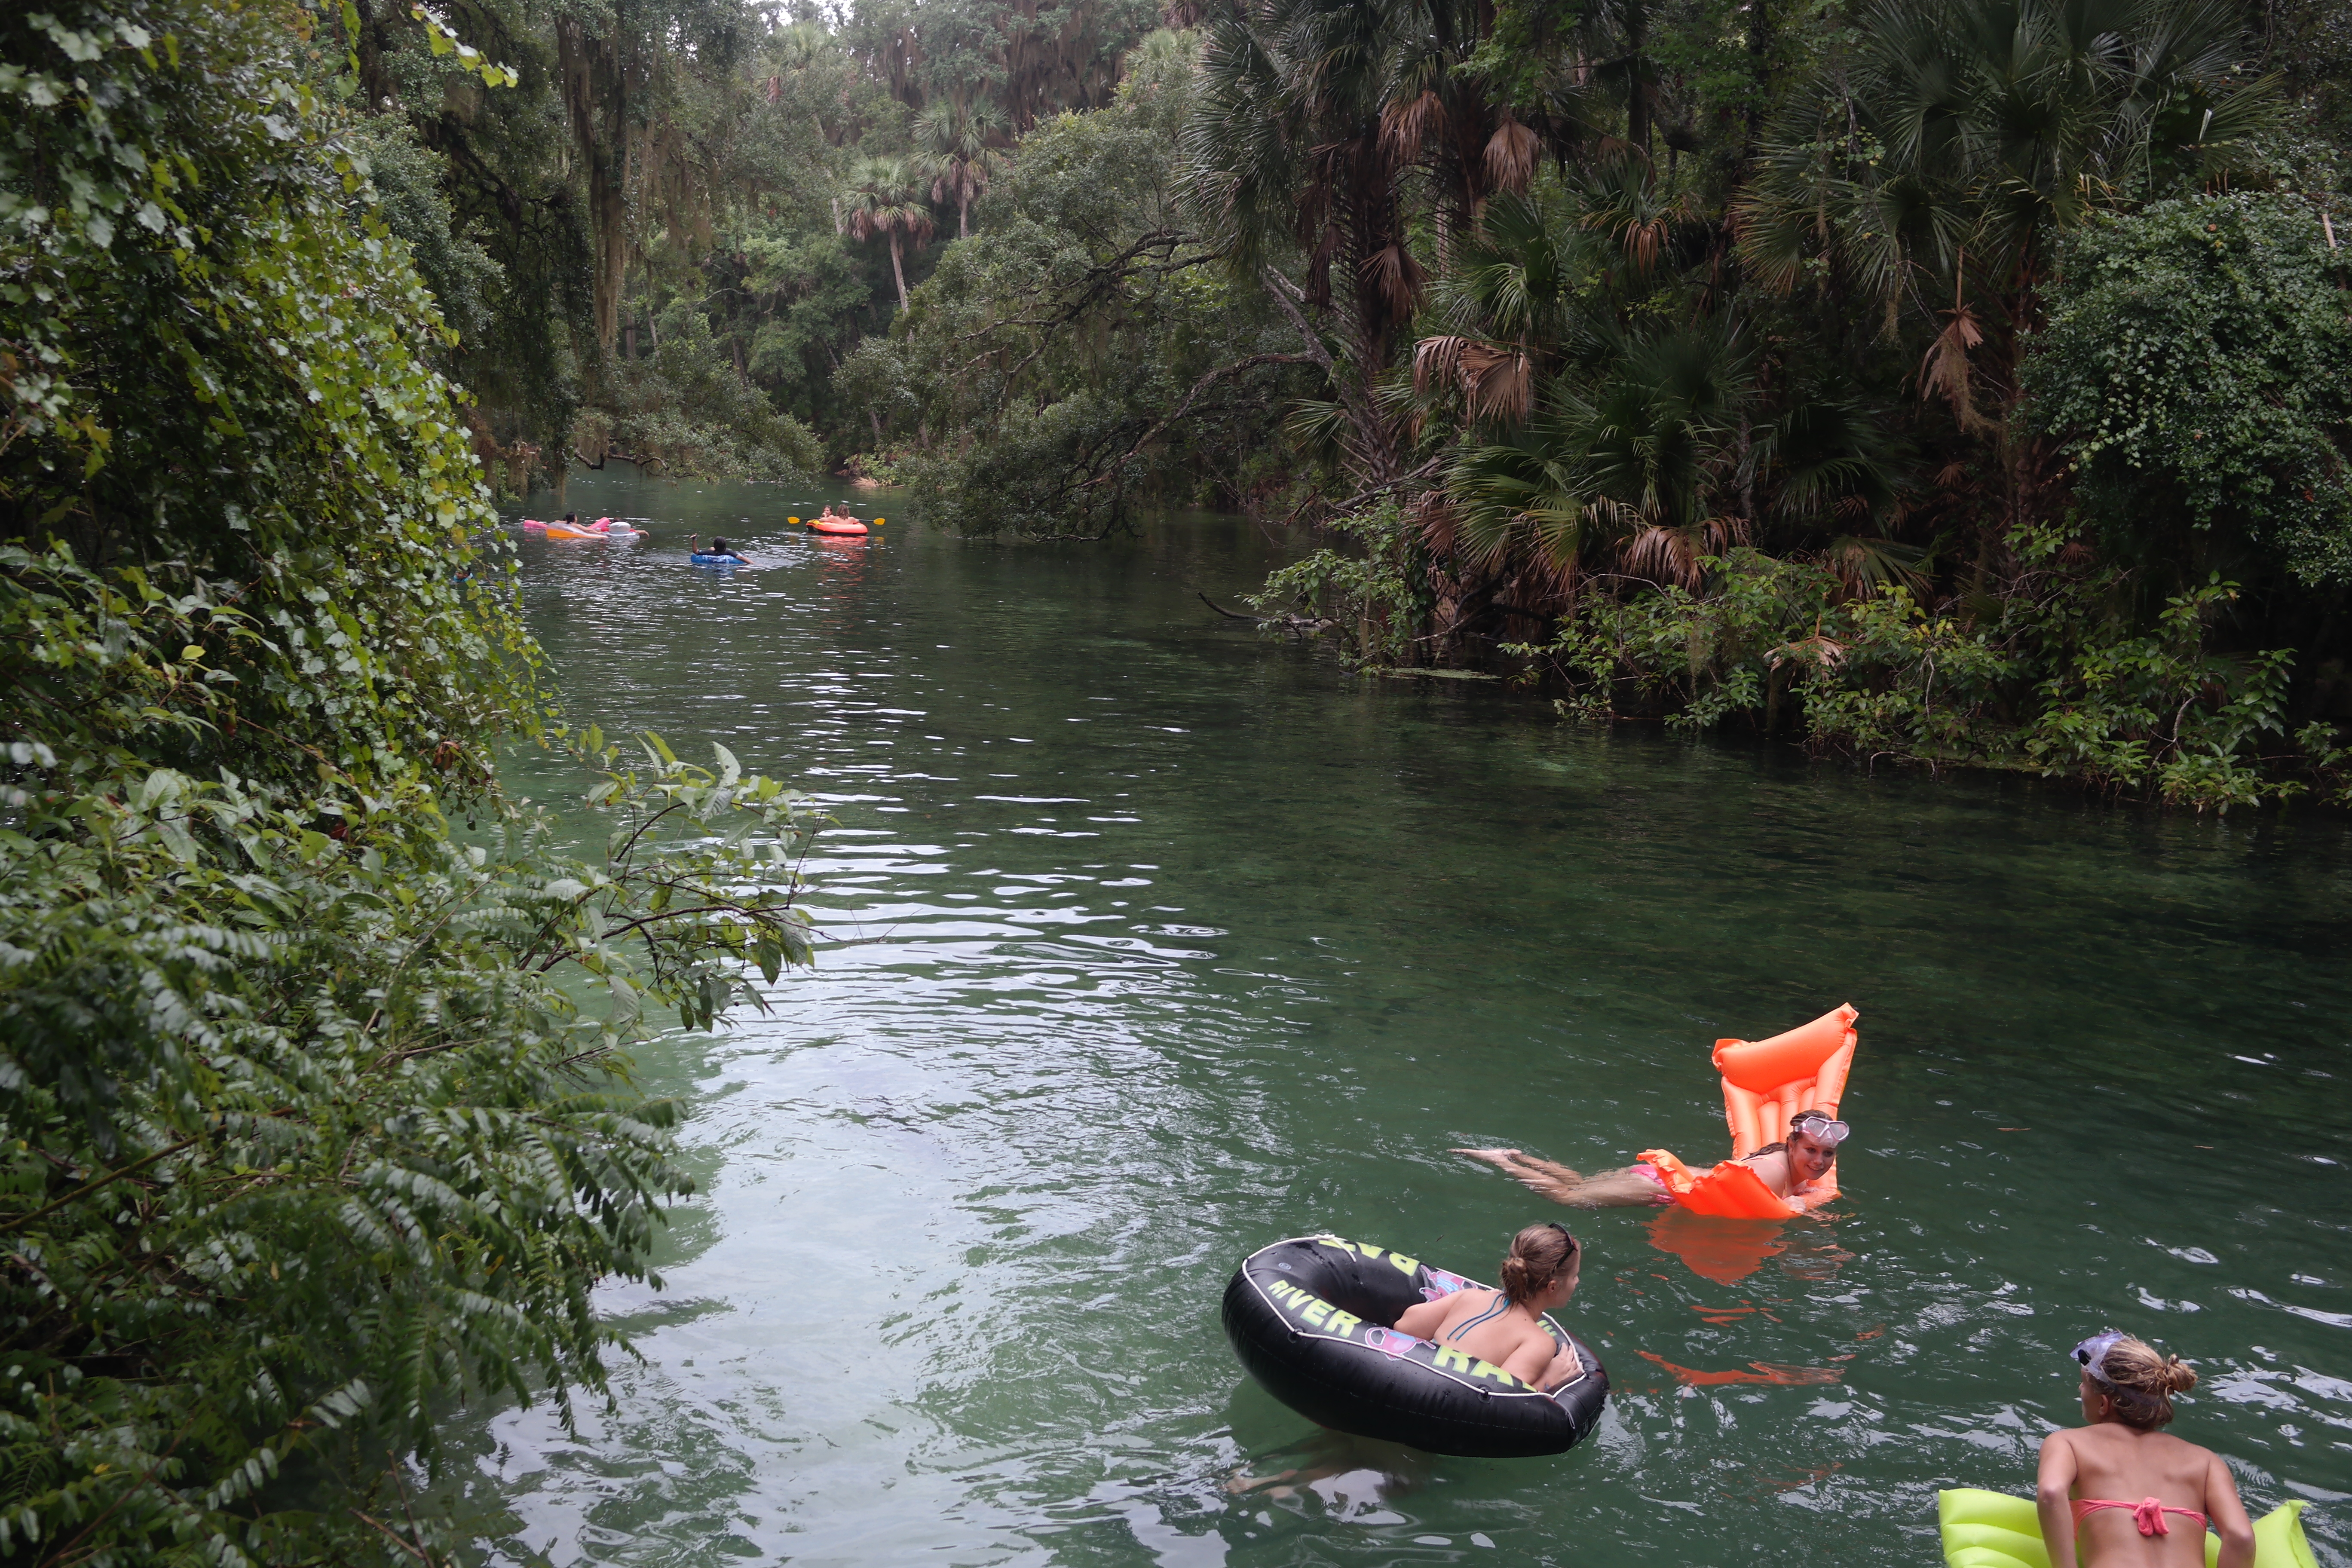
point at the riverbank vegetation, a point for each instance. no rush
(1954, 381)
(314, 1121)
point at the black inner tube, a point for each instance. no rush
(1313, 1319)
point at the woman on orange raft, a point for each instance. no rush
(2143, 1479)
(1794, 1170)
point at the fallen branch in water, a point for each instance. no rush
(1186, 406)
(1289, 620)
(599, 463)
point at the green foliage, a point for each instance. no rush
(466, 282)
(1034, 382)
(2197, 366)
(1371, 596)
(1024, 61)
(810, 295)
(215, 372)
(2057, 682)
(505, 184)
(1630, 450)
(303, 1134)
(693, 411)
(1974, 128)
(313, 1118)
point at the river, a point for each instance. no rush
(1189, 941)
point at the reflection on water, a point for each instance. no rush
(1179, 942)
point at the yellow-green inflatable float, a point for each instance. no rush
(1993, 1529)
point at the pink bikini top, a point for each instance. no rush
(2147, 1513)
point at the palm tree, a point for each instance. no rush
(1286, 144)
(1509, 308)
(1604, 407)
(953, 137)
(886, 197)
(1940, 166)
(1632, 451)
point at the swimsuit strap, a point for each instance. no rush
(2147, 1513)
(1500, 1305)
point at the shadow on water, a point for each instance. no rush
(1188, 942)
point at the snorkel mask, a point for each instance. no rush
(2091, 1355)
(1820, 1130)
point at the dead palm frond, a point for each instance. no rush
(1668, 553)
(1865, 567)
(1511, 154)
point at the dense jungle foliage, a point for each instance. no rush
(313, 1119)
(1957, 381)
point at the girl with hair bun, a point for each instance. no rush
(1505, 1326)
(2111, 1492)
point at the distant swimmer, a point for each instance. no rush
(1796, 1170)
(2155, 1493)
(1506, 1327)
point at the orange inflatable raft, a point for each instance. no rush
(843, 526)
(1765, 1082)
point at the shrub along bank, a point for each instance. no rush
(313, 1119)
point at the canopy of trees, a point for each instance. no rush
(1551, 315)
(1653, 352)
(1647, 352)
(1951, 379)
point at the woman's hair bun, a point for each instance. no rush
(2141, 1381)
(1537, 1256)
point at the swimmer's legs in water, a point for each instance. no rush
(1241, 1482)
(1631, 1187)
(1385, 1468)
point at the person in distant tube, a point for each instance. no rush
(1792, 1169)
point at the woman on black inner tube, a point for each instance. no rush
(1506, 1327)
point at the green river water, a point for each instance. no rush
(1191, 942)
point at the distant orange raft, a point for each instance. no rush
(1765, 1082)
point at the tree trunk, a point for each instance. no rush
(1759, 69)
(629, 341)
(1637, 64)
(897, 270)
(963, 212)
(594, 74)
